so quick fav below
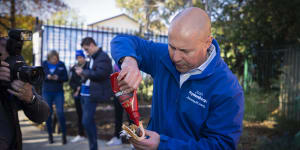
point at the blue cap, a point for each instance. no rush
(79, 53)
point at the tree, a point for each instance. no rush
(143, 12)
(151, 14)
(24, 22)
(155, 14)
(245, 29)
(67, 16)
(9, 9)
(20, 14)
(253, 29)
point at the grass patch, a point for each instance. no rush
(260, 104)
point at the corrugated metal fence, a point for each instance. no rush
(290, 85)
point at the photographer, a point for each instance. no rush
(16, 95)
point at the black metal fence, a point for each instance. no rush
(67, 39)
(272, 80)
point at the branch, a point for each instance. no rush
(4, 25)
(3, 17)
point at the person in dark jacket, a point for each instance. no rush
(56, 74)
(96, 87)
(75, 84)
(20, 96)
(197, 101)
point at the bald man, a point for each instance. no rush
(197, 101)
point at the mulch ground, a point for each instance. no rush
(252, 131)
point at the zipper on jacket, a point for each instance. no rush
(178, 94)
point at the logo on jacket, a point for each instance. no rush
(197, 98)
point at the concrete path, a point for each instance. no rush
(36, 139)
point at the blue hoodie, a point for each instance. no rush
(60, 70)
(205, 113)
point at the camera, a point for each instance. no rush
(20, 71)
(16, 37)
(18, 68)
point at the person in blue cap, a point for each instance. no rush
(75, 84)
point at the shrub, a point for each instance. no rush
(259, 104)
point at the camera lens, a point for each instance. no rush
(33, 75)
(20, 71)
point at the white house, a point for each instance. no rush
(120, 22)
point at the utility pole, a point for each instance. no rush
(147, 13)
(12, 14)
(190, 3)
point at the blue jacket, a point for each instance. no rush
(55, 85)
(205, 113)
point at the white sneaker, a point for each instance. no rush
(78, 138)
(132, 147)
(114, 141)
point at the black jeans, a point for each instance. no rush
(79, 115)
(119, 117)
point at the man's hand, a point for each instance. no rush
(49, 77)
(76, 93)
(22, 90)
(4, 71)
(54, 77)
(129, 77)
(150, 143)
(78, 71)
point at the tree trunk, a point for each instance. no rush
(147, 16)
(190, 3)
(13, 13)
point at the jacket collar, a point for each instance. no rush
(46, 62)
(166, 60)
(97, 53)
(209, 70)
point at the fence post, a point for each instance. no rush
(245, 84)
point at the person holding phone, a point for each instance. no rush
(56, 74)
